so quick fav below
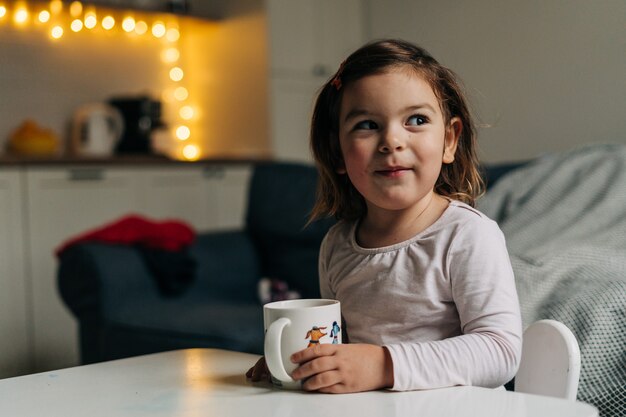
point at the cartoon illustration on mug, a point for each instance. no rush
(334, 333)
(314, 335)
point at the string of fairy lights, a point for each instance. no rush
(61, 19)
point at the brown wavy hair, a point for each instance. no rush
(336, 196)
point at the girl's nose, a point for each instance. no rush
(390, 142)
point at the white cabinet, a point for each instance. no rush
(63, 202)
(15, 347)
(292, 102)
(209, 198)
(307, 42)
(60, 202)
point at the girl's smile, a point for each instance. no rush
(393, 172)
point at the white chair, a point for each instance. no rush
(550, 362)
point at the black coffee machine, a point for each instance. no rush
(141, 116)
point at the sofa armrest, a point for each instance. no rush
(113, 283)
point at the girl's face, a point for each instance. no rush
(394, 139)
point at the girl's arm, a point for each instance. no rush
(483, 289)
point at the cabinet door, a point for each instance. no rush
(293, 49)
(292, 105)
(311, 38)
(338, 33)
(15, 347)
(183, 193)
(64, 202)
(308, 40)
(208, 197)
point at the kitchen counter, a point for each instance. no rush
(126, 160)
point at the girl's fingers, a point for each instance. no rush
(334, 389)
(313, 367)
(308, 354)
(258, 371)
(324, 382)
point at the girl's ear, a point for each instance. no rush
(453, 133)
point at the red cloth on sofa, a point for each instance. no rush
(169, 235)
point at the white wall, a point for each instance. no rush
(546, 75)
(46, 80)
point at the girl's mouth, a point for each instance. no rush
(393, 172)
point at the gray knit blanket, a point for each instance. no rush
(564, 219)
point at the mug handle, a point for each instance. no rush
(273, 355)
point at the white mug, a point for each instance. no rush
(293, 325)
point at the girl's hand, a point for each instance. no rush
(343, 368)
(259, 371)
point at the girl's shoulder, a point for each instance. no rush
(463, 219)
(458, 211)
(339, 231)
(338, 236)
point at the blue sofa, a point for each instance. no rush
(121, 311)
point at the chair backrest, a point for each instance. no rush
(280, 200)
(550, 362)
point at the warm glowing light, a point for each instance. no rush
(108, 22)
(172, 34)
(183, 132)
(181, 94)
(77, 25)
(170, 55)
(21, 16)
(128, 24)
(56, 32)
(76, 8)
(90, 20)
(158, 29)
(141, 27)
(176, 74)
(85, 17)
(186, 112)
(44, 16)
(191, 152)
(56, 6)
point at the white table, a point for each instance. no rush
(209, 382)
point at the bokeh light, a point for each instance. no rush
(183, 132)
(191, 152)
(108, 22)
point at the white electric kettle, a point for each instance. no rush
(96, 129)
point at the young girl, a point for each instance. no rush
(424, 279)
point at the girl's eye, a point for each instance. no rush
(417, 120)
(366, 125)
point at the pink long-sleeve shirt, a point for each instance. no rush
(443, 303)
